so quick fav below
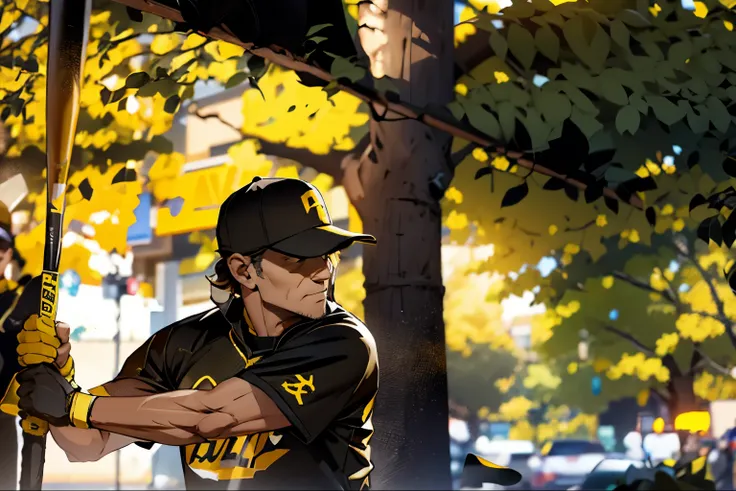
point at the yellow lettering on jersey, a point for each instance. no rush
(299, 388)
(235, 457)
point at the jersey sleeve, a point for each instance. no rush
(313, 380)
(148, 363)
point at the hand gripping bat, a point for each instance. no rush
(68, 34)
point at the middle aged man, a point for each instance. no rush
(284, 378)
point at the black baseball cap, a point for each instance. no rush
(286, 215)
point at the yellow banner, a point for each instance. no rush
(203, 192)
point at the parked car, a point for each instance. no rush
(565, 463)
(607, 474)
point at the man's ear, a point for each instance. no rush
(239, 265)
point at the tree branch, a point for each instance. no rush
(628, 337)
(369, 94)
(645, 286)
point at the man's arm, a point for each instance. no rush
(182, 417)
(90, 445)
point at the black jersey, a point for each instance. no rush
(322, 374)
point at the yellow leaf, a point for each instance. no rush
(287, 171)
(653, 168)
(701, 10)
(9, 16)
(501, 163)
(501, 77)
(642, 172)
(456, 221)
(667, 344)
(194, 40)
(516, 408)
(164, 43)
(571, 248)
(229, 50)
(480, 155)
(634, 236)
(678, 225)
(454, 195)
(607, 282)
(572, 368)
(552, 229)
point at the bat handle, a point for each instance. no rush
(35, 429)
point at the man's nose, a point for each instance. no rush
(322, 272)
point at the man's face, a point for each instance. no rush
(295, 285)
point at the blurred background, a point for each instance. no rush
(580, 341)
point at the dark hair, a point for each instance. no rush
(224, 279)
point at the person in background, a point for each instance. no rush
(11, 288)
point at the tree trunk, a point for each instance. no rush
(403, 277)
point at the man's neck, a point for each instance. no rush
(267, 320)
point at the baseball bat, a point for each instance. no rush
(68, 35)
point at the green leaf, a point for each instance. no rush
(664, 110)
(698, 123)
(342, 68)
(105, 95)
(483, 120)
(117, 95)
(521, 45)
(547, 42)
(507, 118)
(237, 79)
(588, 41)
(620, 34)
(318, 39)
(166, 87)
(498, 44)
(680, 52)
(315, 29)
(719, 115)
(456, 109)
(633, 18)
(172, 104)
(627, 119)
(256, 66)
(555, 108)
(612, 90)
(515, 194)
(578, 98)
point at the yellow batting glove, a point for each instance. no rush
(67, 371)
(35, 344)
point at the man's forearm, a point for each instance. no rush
(183, 417)
(170, 419)
(87, 445)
